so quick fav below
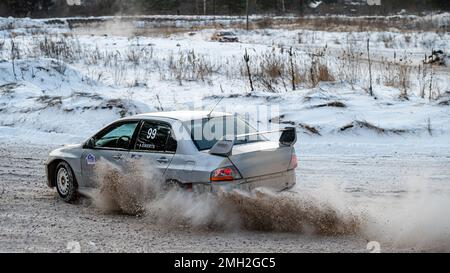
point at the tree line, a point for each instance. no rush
(55, 8)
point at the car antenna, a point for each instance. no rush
(210, 112)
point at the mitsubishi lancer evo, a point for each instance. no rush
(196, 150)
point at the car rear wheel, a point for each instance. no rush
(65, 182)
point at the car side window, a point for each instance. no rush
(155, 137)
(118, 135)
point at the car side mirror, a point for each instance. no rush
(90, 144)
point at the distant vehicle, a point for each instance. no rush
(437, 57)
(225, 37)
(167, 141)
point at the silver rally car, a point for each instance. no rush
(197, 150)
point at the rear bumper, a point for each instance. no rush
(277, 182)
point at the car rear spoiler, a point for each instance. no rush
(224, 147)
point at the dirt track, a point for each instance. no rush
(34, 219)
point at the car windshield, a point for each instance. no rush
(206, 132)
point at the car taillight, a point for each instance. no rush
(225, 174)
(293, 164)
(188, 187)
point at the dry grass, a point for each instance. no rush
(310, 129)
(337, 104)
(358, 24)
(50, 101)
(276, 70)
(188, 66)
(362, 124)
(398, 75)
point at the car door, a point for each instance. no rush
(155, 146)
(109, 145)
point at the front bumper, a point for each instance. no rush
(277, 182)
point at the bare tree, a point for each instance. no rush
(246, 12)
(196, 7)
(283, 6)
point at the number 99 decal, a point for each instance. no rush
(151, 133)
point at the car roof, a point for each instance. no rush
(182, 115)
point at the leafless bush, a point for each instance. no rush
(93, 57)
(272, 65)
(119, 72)
(266, 84)
(277, 68)
(134, 56)
(59, 49)
(398, 75)
(422, 78)
(265, 23)
(319, 70)
(324, 73)
(404, 74)
(272, 69)
(349, 63)
(432, 94)
(187, 66)
(387, 39)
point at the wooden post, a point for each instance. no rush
(370, 68)
(291, 55)
(247, 60)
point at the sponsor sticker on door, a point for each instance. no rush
(90, 159)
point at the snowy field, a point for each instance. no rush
(61, 82)
(53, 76)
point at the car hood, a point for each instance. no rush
(65, 148)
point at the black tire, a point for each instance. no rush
(171, 185)
(66, 185)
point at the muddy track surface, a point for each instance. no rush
(34, 219)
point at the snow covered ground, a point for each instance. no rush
(59, 86)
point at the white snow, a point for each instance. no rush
(87, 81)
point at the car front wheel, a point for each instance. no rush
(65, 182)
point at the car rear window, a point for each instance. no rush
(206, 132)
